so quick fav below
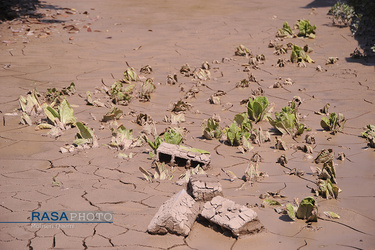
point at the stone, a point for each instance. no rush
(236, 218)
(182, 156)
(177, 215)
(204, 187)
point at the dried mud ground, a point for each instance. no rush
(167, 34)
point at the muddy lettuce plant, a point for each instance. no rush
(181, 106)
(342, 13)
(239, 132)
(91, 101)
(173, 136)
(299, 55)
(130, 75)
(121, 92)
(241, 50)
(285, 31)
(85, 136)
(185, 177)
(211, 129)
(62, 118)
(162, 172)
(54, 96)
(307, 210)
(257, 108)
(30, 104)
(113, 114)
(146, 89)
(286, 122)
(369, 134)
(306, 29)
(122, 138)
(334, 123)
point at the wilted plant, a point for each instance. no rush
(332, 60)
(122, 138)
(342, 13)
(257, 108)
(299, 55)
(306, 29)
(113, 114)
(121, 92)
(146, 69)
(91, 101)
(185, 69)
(202, 74)
(184, 178)
(130, 75)
(238, 133)
(241, 50)
(155, 144)
(334, 123)
(285, 31)
(173, 136)
(324, 156)
(31, 104)
(146, 89)
(211, 129)
(62, 118)
(143, 119)
(85, 136)
(53, 95)
(161, 172)
(307, 210)
(244, 83)
(369, 134)
(181, 106)
(172, 79)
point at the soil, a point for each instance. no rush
(92, 42)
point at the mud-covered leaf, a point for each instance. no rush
(66, 113)
(271, 202)
(84, 132)
(291, 211)
(308, 210)
(113, 114)
(25, 119)
(331, 215)
(241, 50)
(325, 155)
(194, 150)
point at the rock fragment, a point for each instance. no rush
(175, 216)
(204, 187)
(236, 218)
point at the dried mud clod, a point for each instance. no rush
(177, 215)
(204, 187)
(182, 156)
(228, 215)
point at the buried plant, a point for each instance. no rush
(85, 139)
(53, 95)
(30, 104)
(122, 138)
(369, 134)
(121, 92)
(113, 114)
(241, 50)
(257, 108)
(299, 55)
(285, 31)
(307, 210)
(162, 172)
(130, 75)
(334, 123)
(184, 178)
(211, 129)
(306, 29)
(62, 118)
(146, 89)
(173, 136)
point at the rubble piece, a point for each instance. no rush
(238, 219)
(177, 215)
(204, 187)
(182, 155)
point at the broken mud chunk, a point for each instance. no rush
(204, 187)
(177, 215)
(183, 156)
(236, 218)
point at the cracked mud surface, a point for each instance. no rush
(167, 35)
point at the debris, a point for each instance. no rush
(325, 155)
(204, 187)
(183, 156)
(175, 216)
(236, 218)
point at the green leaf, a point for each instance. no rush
(113, 114)
(307, 209)
(271, 202)
(331, 215)
(291, 211)
(66, 113)
(84, 132)
(172, 137)
(195, 150)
